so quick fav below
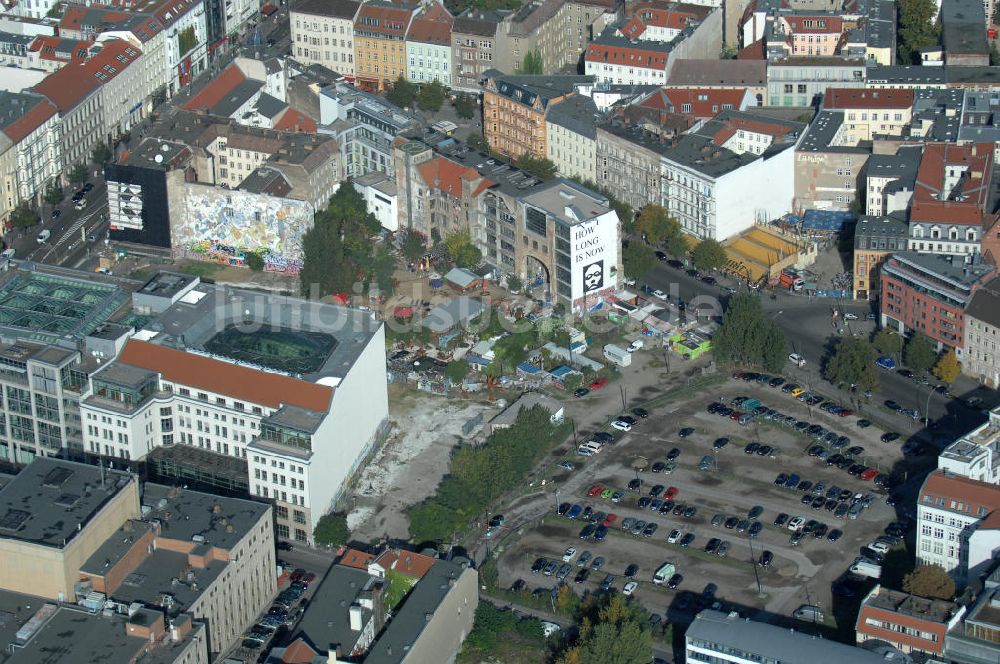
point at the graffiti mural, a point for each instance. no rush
(223, 225)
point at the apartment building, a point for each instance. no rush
(890, 181)
(515, 108)
(380, 29)
(556, 30)
(475, 47)
(951, 196)
(807, 33)
(29, 149)
(697, 103)
(977, 638)
(913, 625)
(612, 58)
(81, 114)
(957, 525)
(982, 341)
(428, 45)
(800, 81)
(440, 194)
(571, 137)
(718, 638)
(323, 34)
(748, 75)
(876, 237)
(870, 112)
(929, 293)
(976, 454)
(628, 163)
(301, 438)
(365, 127)
(827, 168)
(252, 93)
(963, 36)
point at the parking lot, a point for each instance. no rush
(731, 484)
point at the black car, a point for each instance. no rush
(627, 419)
(780, 479)
(781, 519)
(563, 508)
(764, 450)
(56, 213)
(87, 188)
(751, 448)
(710, 280)
(675, 581)
(674, 263)
(660, 256)
(685, 432)
(889, 436)
(641, 413)
(905, 373)
(864, 424)
(766, 558)
(658, 467)
(581, 392)
(582, 575)
(712, 545)
(731, 523)
(603, 437)
(539, 565)
(893, 406)
(777, 381)
(692, 273)
(720, 443)
(631, 571)
(673, 454)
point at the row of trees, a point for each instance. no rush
(338, 254)
(429, 97)
(659, 229)
(853, 365)
(25, 215)
(480, 475)
(748, 337)
(613, 630)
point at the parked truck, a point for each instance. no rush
(791, 280)
(664, 573)
(618, 355)
(865, 567)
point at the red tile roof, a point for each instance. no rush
(733, 125)
(380, 20)
(977, 499)
(217, 89)
(71, 84)
(356, 559)
(292, 120)
(632, 56)
(633, 28)
(299, 652)
(431, 26)
(446, 175)
(197, 371)
(849, 98)
(704, 102)
(673, 16)
(31, 120)
(977, 160)
(50, 47)
(898, 637)
(407, 563)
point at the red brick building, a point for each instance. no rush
(929, 293)
(910, 623)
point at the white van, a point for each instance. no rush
(797, 360)
(44, 236)
(635, 345)
(809, 613)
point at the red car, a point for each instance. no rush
(598, 384)
(735, 416)
(609, 520)
(868, 474)
(307, 579)
(297, 575)
(847, 412)
(595, 490)
(670, 493)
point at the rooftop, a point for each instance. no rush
(22, 113)
(184, 514)
(327, 620)
(719, 73)
(48, 502)
(956, 272)
(527, 88)
(156, 154)
(715, 630)
(883, 226)
(577, 113)
(822, 132)
(861, 98)
(946, 491)
(987, 609)
(899, 166)
(933, 610)
(962, 28)
(985, 303)
(346, 9)
(568, 202)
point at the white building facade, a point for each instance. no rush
(323, 34)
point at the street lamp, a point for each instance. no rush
(753, 563)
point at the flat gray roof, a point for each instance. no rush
(183, 513)
(47, 501)
(822, 131)
(719, 631)
(116, 546)
(568, 202)
(326, 621)
(166, 573)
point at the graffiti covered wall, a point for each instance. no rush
(223, 225)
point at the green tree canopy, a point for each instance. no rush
(948, 367)
(461, 250)
(918, 27)
(532, 63)
(748, 337)
(930, 581)
(53, 194)
(708, 255)
(431, 96)
(23, 216)
(919, 353)
(677, 245)
(456, 371)
(887, 342)
(465, 106)
(540, 168)
(612, 631)
(853, 364)
(255, 261)
(656, 225)
(514, 283)
(413, 245)
(331, 530)
(637, 259)
(78, 174)
(402, 92)
(101, 154)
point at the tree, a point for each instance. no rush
(543, 169)
(656, 225)
(677, 245)
(101, 154)
(853, 364)
(708, 255)
(456, 371)
(469, 256)
(930, 581)
(413, 245)
(78, 174)
(948, 367)
(53, 194)
(637, 259)
(383, 268)
(255, 261)
(465, 106)
(514, 283)
(918, 28)
(612, 631)
(332, 529)
(23, 216)
(919, 353)
(887, 342)
(532, 63)
(748, 337)
(402, 92)
(994, 54)
(461, 250)
(431, 96)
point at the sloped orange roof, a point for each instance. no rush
(446, 175)
(407, 563)
(431, 26)
(68, 86)
(633, 56)
(292, 120)
(975, 498)
(299, 652)
(703, 102)
(35, 116)
(847, 98)
(633, 28)
(197, 371)
(816, 24)
(356, 559)
(217, 89)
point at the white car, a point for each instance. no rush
(635, 345)
(549, 628)
(44, 236)
(629, 588)
(569, 554)
(850, 316)
(621, 426)
(797, 360)
(8, 253)
(879, 547)
(796, 523)
(674, 536)
(660, 294)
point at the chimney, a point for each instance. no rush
(333, 653)
(355, 614)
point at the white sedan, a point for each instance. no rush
(629, 588)
(660, 294)
(621, 426)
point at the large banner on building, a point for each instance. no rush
(595, 256)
